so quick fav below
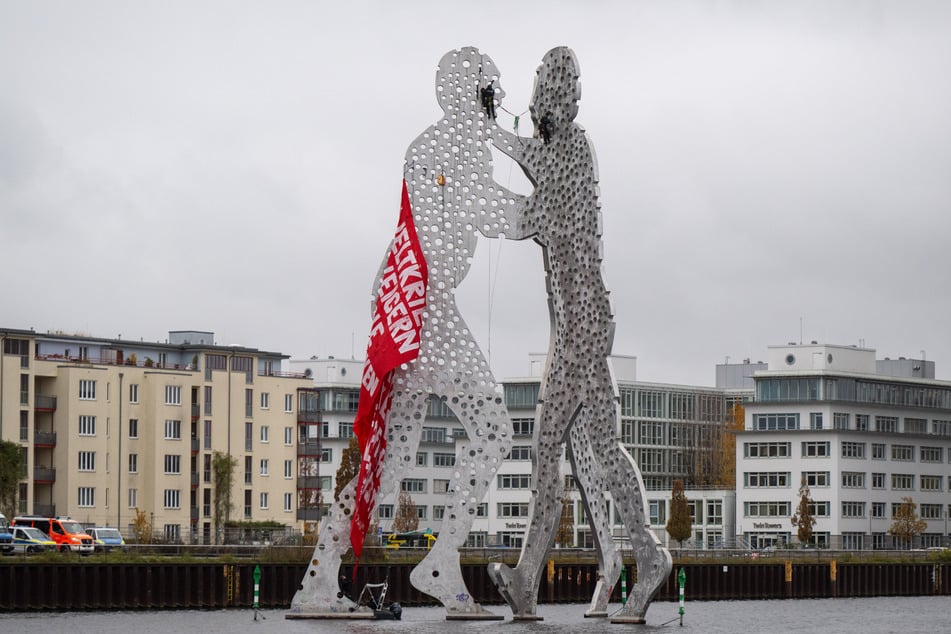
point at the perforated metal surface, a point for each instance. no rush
(449, 179)
(578, 400)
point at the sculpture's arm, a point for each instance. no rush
(509, 210)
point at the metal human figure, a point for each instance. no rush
(578, 402)
(449, 180)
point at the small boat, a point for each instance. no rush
(374, 597)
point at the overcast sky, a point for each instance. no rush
(770, 171)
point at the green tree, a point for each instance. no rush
(907, 524)
(804, 517)
(349, 466)
(222, 473)
(11, 472)
(406, 519)
(680, 524)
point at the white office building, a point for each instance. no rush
(863, 434)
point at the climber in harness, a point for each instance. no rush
(488, 100)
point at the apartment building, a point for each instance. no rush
(111, 426)
(862, 433)
(667, 428)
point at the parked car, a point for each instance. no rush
(66, 532)
(27, 539)
(6, 537)
(105, 538)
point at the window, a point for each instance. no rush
(288, 402)
(264, 466)
(878, 510)
(87, 460)
(87, 391)
(861, 422)
(512, 509)
(769, 422)
(853, 541)
(385, 511)
(886, 424)
(133, 498)
(853, 509)
(941, 427)
(878, 480)
(248, 460)
(840, 420)
(345, 430)
(265, 401)
(173, 394)
(173, 464)
(288, 502)
(520, 452)
(87, 425)
(444, 459)
(916, 426)
(433, 435)
(206, 468)
(930, 511)
(521, 395)
(413, 485)
(651, 433)
(422, 458)
(173, 430)
(820, 508)
(326, 454)
(878, 451)
(816, 478)
(853, 449)
(815, 449)
(439, 512)
(766, 449)
(133, 428)
(903, 453)
(815, 420)
(715, 512)
(853, 480)
(440, 486)
(173, 533)
(766, 509)
(248, 436)
(133, 463)
(133, 392)
(288, 436)
(206, 439)
(932, 454)
(216, 362)
(265, 433)
(482, 510)
(421, 513)
(288, 469)
(173, 498)
(523, 426)
(248, 412)
(507, 481)
(264, 500)
(764, 479)
(87, 496)
(931, 483)
(903, 481)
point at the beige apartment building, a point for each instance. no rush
(108, 426)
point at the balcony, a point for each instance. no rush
(196, 411)
(43, 403)
(194, 480)
(308, 416)
(309, 515)
(311, 482)
(44, 475)
(308, 448)
(194, 514)
(196, 445)
(44, 438)
(44, 510)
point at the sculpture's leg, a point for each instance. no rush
(592, 484)
(478, 458)
(653, 560)
(320, 591)
(519, 586)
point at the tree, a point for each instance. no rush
(565, 536)
(222, 471)
(726, 446)
(407, 518)
(804, 517)
(680, 524)
(349, 466)
(11, 467)
(907, 525)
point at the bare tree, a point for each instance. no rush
(907, 524)
(349, 466)
(804, 517)
(406, 519)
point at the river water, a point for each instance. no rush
(902, 615)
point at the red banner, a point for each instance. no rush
(394, 340)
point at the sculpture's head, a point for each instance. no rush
(460, 77)
(557, 89)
